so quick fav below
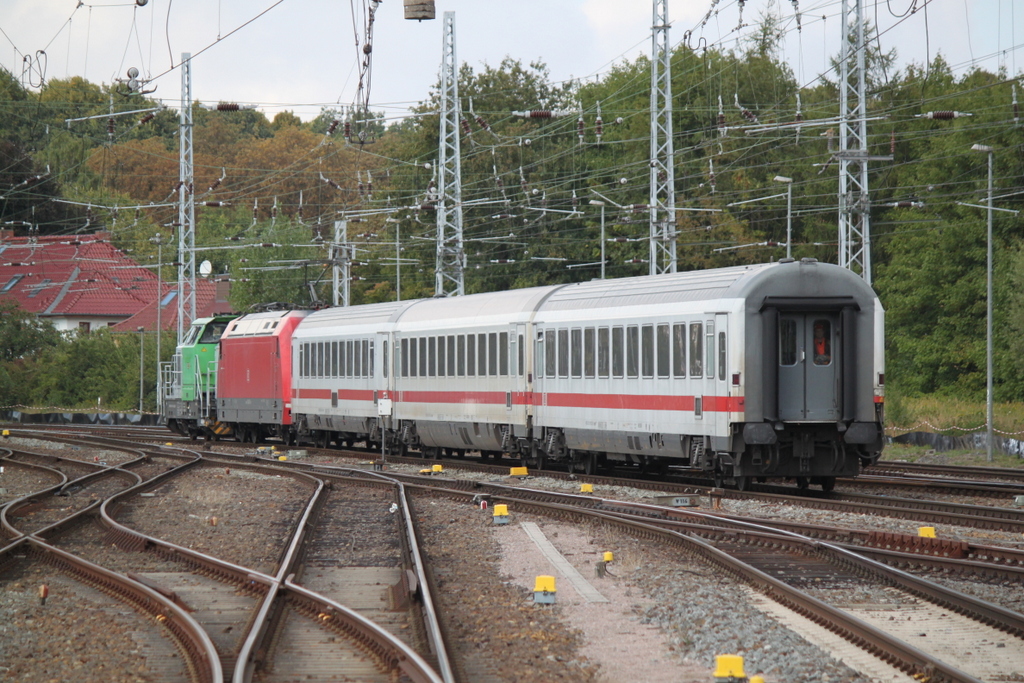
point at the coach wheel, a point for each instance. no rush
(802, 483)
(289, 437)
(828, 483)
(742, 483)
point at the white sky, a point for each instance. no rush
(301, 54)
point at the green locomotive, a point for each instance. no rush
(189, 381)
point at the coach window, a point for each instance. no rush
(576, 352)
(461, 354)
(405, 358)
(481, 354)
(369, 357)
(589, 355)
(357, 369)
(710, 365)
(618, 351)
(350, 359)
(822, 342)
(450, 355)
(492, 354)
(603, 352)
(664, 351)
(787, 342)
(647, 350)
(334, 359)
(632, 351)
(319, 359)
(384, 357)
(721, 356)
(563, 353)
(414, 362)
(471, 355)
(423, 356)
(431, 355)
(696, 350)
(503, 354)
(302, 360)
(679, 350)
(550, 353)
(521, 351)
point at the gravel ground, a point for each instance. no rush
(79, 635)
(254, 514)
(17, 481)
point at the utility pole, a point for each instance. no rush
(854, 198)
(158, 240)
(451, 257)
(341, 278)
(662, 201)
(186, 206)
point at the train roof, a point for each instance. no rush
(501, 306)
(259, 324)
(367, 314)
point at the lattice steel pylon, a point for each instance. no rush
(662, 201)
(341, 262)
(451, 257)
(186, 206)
(854, 200)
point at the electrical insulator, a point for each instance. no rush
(636, 260)
(575, 199)
(215, 204)
(331, 128)
(892, 141)
(943, 115)
(796, 11)
(905, 204)
(721, 118)
(580, 128)
(619, 120)
(480, 121)
(110, 126)
(348, 131)
(427, 207)
(599, 124)
(359, 182)
(503, 260)
(273, 209)
(369, 185)
(466, 130)
(747, 114)
(711, 173)
(146, 119)
(228, 106)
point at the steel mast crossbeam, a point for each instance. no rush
(186, 206)
(662, 200)
(451, 257)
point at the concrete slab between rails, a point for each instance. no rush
(582, 586)
(837, 647)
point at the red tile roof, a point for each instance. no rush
(82, 276)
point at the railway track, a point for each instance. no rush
(791, 559)
(239, 618)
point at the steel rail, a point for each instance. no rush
(199, 653)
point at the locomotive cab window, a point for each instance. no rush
(822, 342)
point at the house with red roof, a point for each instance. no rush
(82, 283)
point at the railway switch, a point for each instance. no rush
(544, 590)
(729, 668)
(501, 514)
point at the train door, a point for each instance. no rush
(717, 369)
(809, 367)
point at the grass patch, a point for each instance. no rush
(952, 416)
(925, 455)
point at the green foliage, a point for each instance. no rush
(23, 334)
